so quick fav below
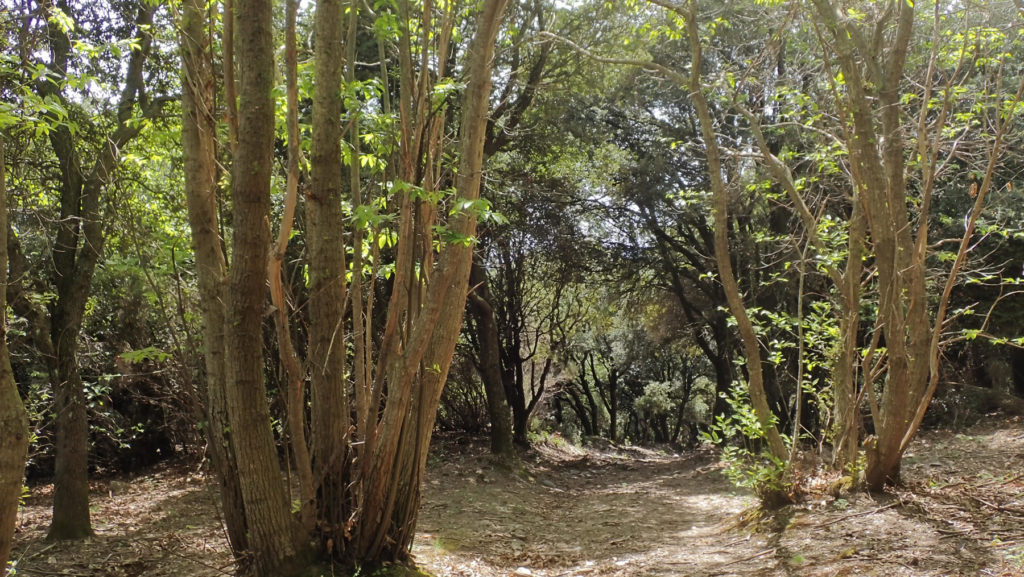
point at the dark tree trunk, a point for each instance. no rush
(593, 410)
(77, 250)
(71, 518)
(520, 421)
(490, 365)
(576, 403)
(613, 405)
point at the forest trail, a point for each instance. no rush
(603, 512)
(618, 512)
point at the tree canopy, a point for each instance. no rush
(300, 241)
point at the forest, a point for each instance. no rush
(542, 288)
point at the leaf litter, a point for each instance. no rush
(604, 511)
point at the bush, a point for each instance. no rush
(744, 449)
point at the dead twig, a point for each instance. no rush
(1010, 510)
(1012, 479)
(576, 572)
(736, 542)
(198, 562)
(26, 556)
(853, 515)
(1000, 482)
(750, 558)
(61, 573)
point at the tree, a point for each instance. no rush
(270, 530)
(496, 336)
(14, 435)
(874, 74)
(367, 468)
(888, 213)
(199, 128)
(871, 250)
(490, 366)
(720, 212)
(79, 239)
(395, 457)
(517, 303)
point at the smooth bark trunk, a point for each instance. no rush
(720, 210)
(295, 382)
(876, 153)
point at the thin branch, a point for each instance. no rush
(665, 71)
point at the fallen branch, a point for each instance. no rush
(1012, 479)
(853, 515)
(1010, 510)
(25, 556)
(750, 558)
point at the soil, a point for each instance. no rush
(605, 511)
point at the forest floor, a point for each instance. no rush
(603, 511)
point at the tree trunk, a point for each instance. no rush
(71, 468)
(76, 252)
(576, 403)
(490, 366)
(399, 455)
(325, 242)
(594, 411)
(878, 169)
(520, 414)
(751, 345)
(294, 376)
(13, 419)
(368, 490)
(613, 405)
(198, 133)
(271, 530)
(844, 370)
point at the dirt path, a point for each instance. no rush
(640, 513)
(602, 513)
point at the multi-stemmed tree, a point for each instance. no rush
(370, 424)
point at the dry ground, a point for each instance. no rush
(604, 512)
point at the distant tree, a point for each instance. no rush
(86, 170)
(496, 320)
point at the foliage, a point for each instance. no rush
(596, 236)
(742, 438)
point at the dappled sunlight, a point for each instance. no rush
(606, 515)
(603, 514)
(164, 524)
